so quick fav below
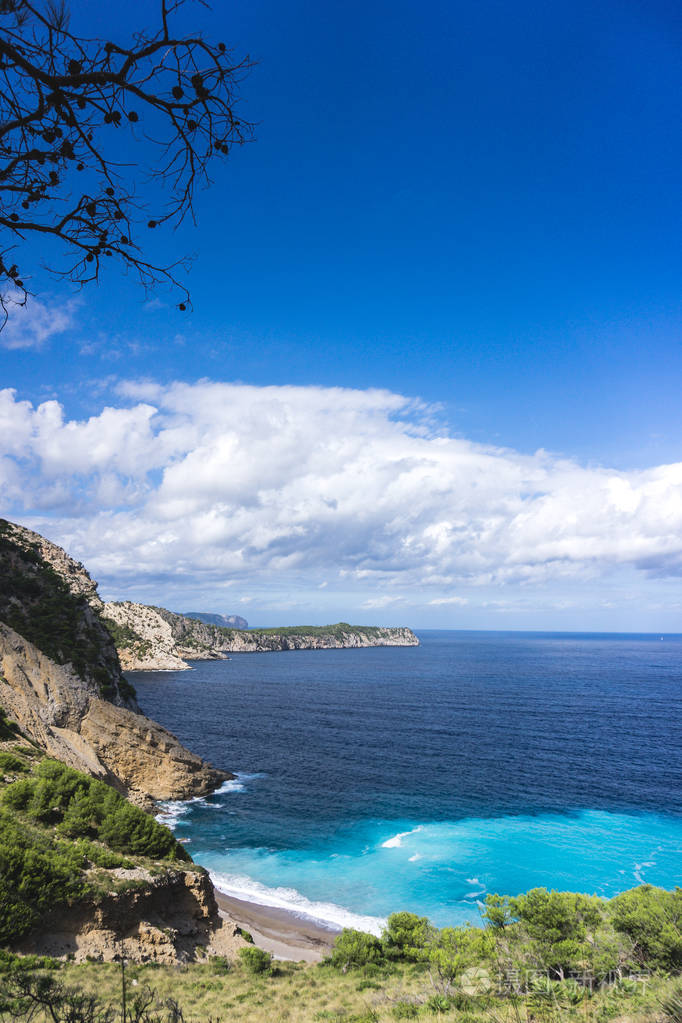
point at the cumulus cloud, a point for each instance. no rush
(312, 484)
(31, 325)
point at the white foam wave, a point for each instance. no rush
(639, 867)
(324, 914)
(397, 840)
(472, 880)
(231, 785)
(238, 783)
(417, 856)
(171, 811)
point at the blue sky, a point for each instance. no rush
(475, 206)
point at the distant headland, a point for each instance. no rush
(153, 639)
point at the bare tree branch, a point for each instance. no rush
(66, 102)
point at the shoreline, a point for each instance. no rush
(279, 931)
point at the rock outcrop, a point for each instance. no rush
(61, 680)
(152, 638)
(144, 639)
(166, 917)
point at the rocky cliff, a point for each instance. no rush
(61, 680)
(162, 915)
(152, 638)
(87, 875)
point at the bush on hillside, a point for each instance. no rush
(83, 807)
(256, 960)
(8, 729)
(11, 763)
(353, 949)
(406, 936)
(36, 874)
(652, 918)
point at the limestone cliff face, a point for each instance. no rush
(144, 639)
(164, 918)
(50, 600)
(61, 680)
(55, 708)
(152, 638)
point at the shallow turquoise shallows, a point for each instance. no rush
(425, 778)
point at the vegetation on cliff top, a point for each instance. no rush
(338, 631)
(496, 973)
(60, 832)
(183, 628)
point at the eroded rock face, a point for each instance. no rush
(50, 600)
(53, 706)
(145, 640)
(73, 572)
(61, 680)
(167, 918)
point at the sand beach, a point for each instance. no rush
(286, 935)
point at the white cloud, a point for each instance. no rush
(225, 481)
(376, 603)
(31, 325)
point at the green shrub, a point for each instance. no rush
(652, 918)
(84, 807)
(36, 874)
(129, 829)
(353, 949)
(405, 1010)
(497, 912)
(256, 960)
(556, 916)
(559, 925)
(438, 1003)
(406, 936)
(8, 729)
(18, 795)
(9, 762)
(102, 857)
(672, 1006)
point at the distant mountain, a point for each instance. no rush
(224, 621)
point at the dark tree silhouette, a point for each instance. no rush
(66, 171)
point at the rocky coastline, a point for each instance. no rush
(153, 639)
(64, 697)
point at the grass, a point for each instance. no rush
(313, 994)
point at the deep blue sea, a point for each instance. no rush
(423, 778)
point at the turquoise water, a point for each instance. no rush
(423, 779)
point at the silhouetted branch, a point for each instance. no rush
(70, 106)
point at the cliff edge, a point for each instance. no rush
(61, 679)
